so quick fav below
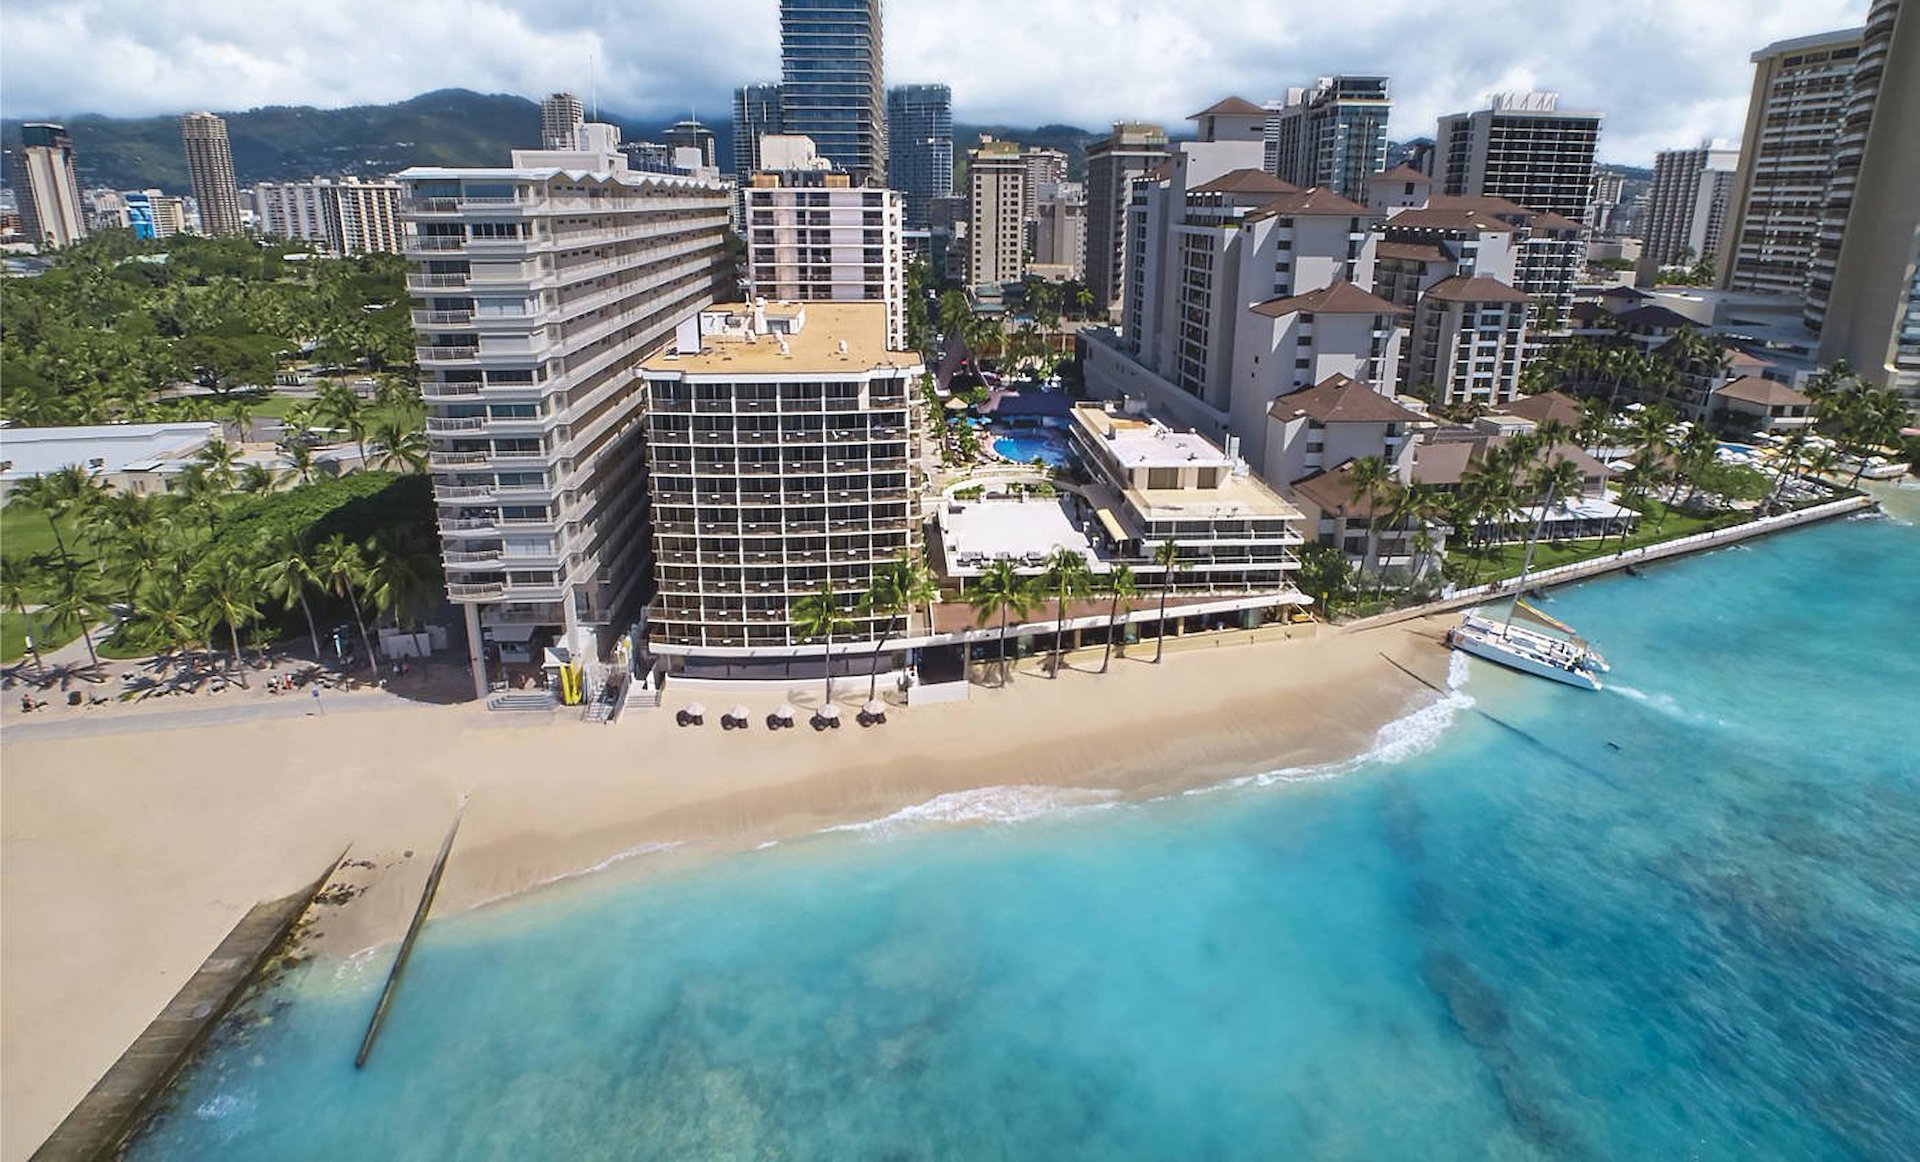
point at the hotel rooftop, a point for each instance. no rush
(776, 338)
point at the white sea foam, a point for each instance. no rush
(998, 805)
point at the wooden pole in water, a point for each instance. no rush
(406, 942)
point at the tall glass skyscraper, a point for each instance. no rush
(831, 82)
(756, 113)
(920, 146)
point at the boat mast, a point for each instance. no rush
(1526, 562)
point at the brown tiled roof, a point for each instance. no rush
(1340, 399)
(1588, 312)
(1460, 289)
(1237, 106)
(1548, 220)
(1436, 218)
(1548, 405)
(1444, 462)
(1411, 251)
(1401, 173)
(1341, 298)
(1653, 315)
(1739, 358)
(1331, 492)
(1624, 292)
(1314, 200)
(1246, 181)
(1766, 392)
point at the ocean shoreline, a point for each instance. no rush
(128, 855)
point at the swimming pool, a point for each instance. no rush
(1022, 448)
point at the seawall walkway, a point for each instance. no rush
(112, 1109)
(1581, 570)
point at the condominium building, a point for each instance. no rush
(831, 82)
(1687, 205)
(1151, 484)
(1060, 232)
(813, 237)
(692, 135)
(1872, 315)
(1331, 133)
(345, 215)
(756, 113)
(1046, 169)
(920, 147)
(560, 114)
(1522, 147)
(779, 440)
(210, 166)
(1603, 215)
(539, 288)
(1467, 342)
(152, 214)
(1798, 107)
(44, 182)
(996, 197)
(1112, 163)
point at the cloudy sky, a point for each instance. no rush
(1666, 72)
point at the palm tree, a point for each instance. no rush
(300, 462)
(168, 608)
(402, 574)
(1367, 478)
(15, 579)
(1167, 556)
(340, 407)
(225, 589)
(399, 441)
(1067, 576)
(899, 586)
(341, 568)
(1416, 506)
(818, 615)
(1001, 591)
(219, 460)
(1120, 586)
(53, 493)
(286, 573)
(75, 596)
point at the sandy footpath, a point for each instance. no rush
(126, 857)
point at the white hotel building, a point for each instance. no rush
(538, 289)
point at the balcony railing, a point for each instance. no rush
(447, 354)
(441, 318)
(424, 242)
(450, 425)
(458, 459)
(435, 281)
(461, 591)
(486, 557)
(458, 493)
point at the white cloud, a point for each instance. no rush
(1665, 73)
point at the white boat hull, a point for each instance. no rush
(1516, 650)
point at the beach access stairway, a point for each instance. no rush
(523, 701)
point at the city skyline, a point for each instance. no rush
(1669, 91)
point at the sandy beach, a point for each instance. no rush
(127, 855)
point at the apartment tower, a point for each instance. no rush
(1872, 319)
(1129, 151)
(779, 439)
(1332, 133)
(812, 236)
(560, 114)
(538, 289)
(831, 82)
(210, 166)
(997, 221)
(1522, 147)
(920, 147)
(1687, 205)
(1798, 107)
(756, 113)
(45, 185)
(346, 215)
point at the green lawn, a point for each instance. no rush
(24, 532)
(1503, 561)
(49, 636)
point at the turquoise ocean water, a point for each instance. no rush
(1676, 919)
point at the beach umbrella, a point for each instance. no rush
(875, 708)
(783, 712)
(829, 712)
(738, 713)
(695, 710)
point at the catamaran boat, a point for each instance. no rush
(1561, 659)
(1564, 658)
